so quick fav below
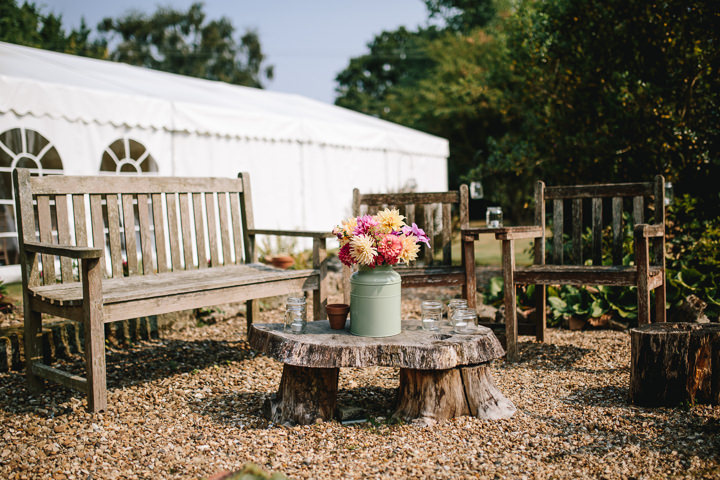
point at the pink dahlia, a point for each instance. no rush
(364, 224)
(389, 247)
(344, 255)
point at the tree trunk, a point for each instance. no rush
(426, 396)
(674, 363)
(305, 395)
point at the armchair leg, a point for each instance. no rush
(33, 347)
(508, 261)
(660, 311)
(468, 259)
(540, 317)
(320, 295)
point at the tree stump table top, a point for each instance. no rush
(442, 374)
(413, 348)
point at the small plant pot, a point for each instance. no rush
(337, 315)
(282, 261)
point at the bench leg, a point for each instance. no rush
(252, 312)
(94, 335)
(33, 346)
(508, 266)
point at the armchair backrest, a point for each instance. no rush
(431, 211)
(629, 204)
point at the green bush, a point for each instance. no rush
(692, 256)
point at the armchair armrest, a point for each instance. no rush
(291, 233)
(63, 250)
(514, 233)
(644, 230)
(504, 233)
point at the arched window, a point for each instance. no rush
(126, 155)
(24, 148)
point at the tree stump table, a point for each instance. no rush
(672, 363)
(442, 374)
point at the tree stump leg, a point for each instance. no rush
(672, 363)
(426, 396)
(305, 395)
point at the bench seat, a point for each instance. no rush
(160, 293)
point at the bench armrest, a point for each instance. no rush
(644, 230)
(291, 233)
(63, 250)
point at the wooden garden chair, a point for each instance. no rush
(433, 212)
(566, 265)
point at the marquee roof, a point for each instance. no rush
(49, 84)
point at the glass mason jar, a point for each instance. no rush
(295, 319)
(494, 217)
(431, 315)
(300, 301)
(452, 305)
(463, 320)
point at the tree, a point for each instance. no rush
(395, 58)
(462, 15)
(402, 66)
(609, 90)
(26, 25)
(185, 43)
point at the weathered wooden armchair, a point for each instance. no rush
(431, 211)
(641, 199)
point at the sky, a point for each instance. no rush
(309, 42)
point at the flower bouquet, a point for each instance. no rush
(381, 239)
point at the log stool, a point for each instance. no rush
(672, 363)
(442, 374)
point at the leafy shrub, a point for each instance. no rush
(692, 256)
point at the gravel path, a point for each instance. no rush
(190, 405)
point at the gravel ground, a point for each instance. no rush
(190, 405)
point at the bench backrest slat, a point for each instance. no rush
(63, 229)
(45, 228)
(159, 231)
(631, 197)
(180, 223)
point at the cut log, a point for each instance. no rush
(426, 396)
(305, 396)
(673, 363)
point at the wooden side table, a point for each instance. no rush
(442, 374)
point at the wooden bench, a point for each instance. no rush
(567, 264)
(433, 212)
(137, 246)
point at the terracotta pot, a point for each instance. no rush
(337, 315)
(282, 261)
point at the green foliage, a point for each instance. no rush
(185, 43)
(462, 15)
(26, 25)
(627, 89)
(693, 255)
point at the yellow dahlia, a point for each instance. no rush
(345, 230)
(362, 249)
(410, 248)
(390, 220)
